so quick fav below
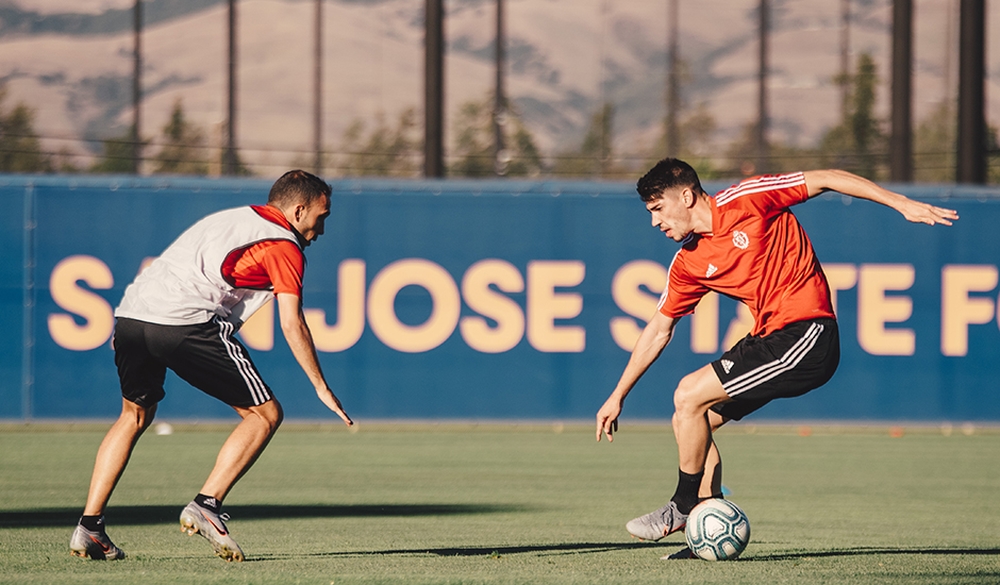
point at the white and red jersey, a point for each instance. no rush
(757, 253)
(229, 264)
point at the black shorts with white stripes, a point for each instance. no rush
(788, 362)
(207, 356)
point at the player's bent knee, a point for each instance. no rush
(695, 395)
(686, 399)
(272, 413)
(686, 406)
(140, 416)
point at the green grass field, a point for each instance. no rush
(498, 503)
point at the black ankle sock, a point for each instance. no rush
(208, 502)
(92, 523)
(686, 496)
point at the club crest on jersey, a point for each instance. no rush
(712, 269)
(741, 240)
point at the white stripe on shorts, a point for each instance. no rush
(258, 391)
(762, 374)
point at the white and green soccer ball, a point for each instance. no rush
(717, 530)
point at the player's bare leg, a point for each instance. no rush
(89, 539)
(711, 483)
(244, 445)
(114, 453)
(695, 394)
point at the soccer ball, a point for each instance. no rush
(717, 530)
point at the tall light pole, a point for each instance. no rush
(137, 89)
(318, 90)
(229, 161)
(901, 139)
(673, 81)
(845, 58)
(500, 118)
(971, 166)
(762, 115)
(434, 89)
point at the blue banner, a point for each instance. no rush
(496, 300)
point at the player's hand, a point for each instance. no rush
(333, 403)
(607, 418)
(920, 212)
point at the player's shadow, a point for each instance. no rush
(160, 514)
(869, 551)
(567, 548)
(573, 548)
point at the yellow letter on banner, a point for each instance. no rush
(545, 305)
(444, 296)
(96, 312)
(630, 298)
(958, 311)
(875, 309)
(478, 295)
(350, 311)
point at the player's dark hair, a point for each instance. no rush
(297, 187)
(669, 173)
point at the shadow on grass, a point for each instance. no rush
(601, 547)
(570, 548)
(141, 515)
(868, 551)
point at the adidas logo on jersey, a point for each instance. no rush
(712, 269)
(727, 365)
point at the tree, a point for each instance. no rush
(475, 143)
(526, 159)
(934, 146)
(20, 148)
(597, 144)
(595, 155)
(183, 144)
(116, 156)
(993, 156)
(857, 143)
(386, 151)
(474, 146)
(62, 161)
(694, 134)
(864, 125)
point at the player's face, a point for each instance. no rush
(311, 219)
(671, 214)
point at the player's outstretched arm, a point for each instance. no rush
(855, 186)
(293, 325)
(654, 338)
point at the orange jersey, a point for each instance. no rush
(757, 253)
(271, 263)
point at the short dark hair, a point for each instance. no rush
(297, 187)
(669, 173)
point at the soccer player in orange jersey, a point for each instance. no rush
(744, 243)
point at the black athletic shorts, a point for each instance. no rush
(788, 362)
(207, 356)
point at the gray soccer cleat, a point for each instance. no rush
(196, 519)
(656, 525)
(93, 545)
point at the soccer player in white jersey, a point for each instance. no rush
(181, 313)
